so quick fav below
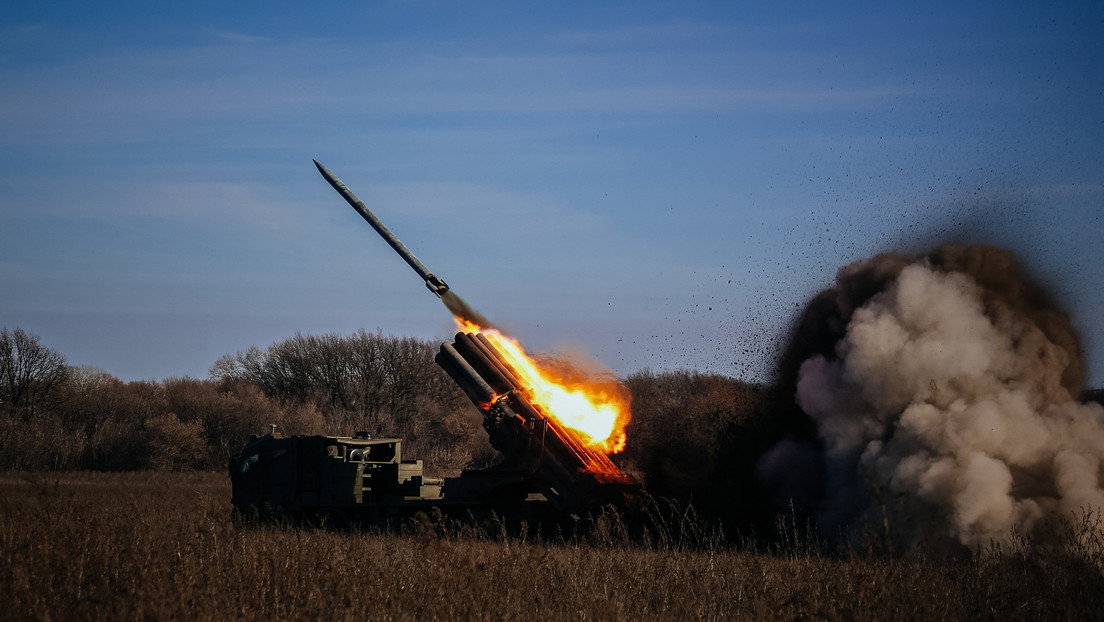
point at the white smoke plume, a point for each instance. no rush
(951, 393)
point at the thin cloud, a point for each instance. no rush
(238, 37)
(163, 92)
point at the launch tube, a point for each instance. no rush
(477, 390)
(493, 355)
(465, 346)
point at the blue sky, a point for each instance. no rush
(662, 184)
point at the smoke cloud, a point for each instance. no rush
(944, 391)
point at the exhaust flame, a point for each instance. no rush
(598, 411)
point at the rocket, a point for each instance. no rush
(432, 281)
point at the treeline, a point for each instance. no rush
(58, 417)
(688, 434)
(380, 384)
(698, 438)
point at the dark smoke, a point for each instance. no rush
(461, 309)
(943, 389)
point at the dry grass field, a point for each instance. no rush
(162, 546)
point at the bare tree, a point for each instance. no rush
(365, 381)
(30, 373)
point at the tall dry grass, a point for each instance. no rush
(163, 546)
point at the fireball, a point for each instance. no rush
(598, 412)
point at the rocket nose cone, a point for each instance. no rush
(330, 177)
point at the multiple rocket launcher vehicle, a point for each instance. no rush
(547, 470)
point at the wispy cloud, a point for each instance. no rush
(238, 37)
(159, 92)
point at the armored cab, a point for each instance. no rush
(317, 475)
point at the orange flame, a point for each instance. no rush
(597, 411)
